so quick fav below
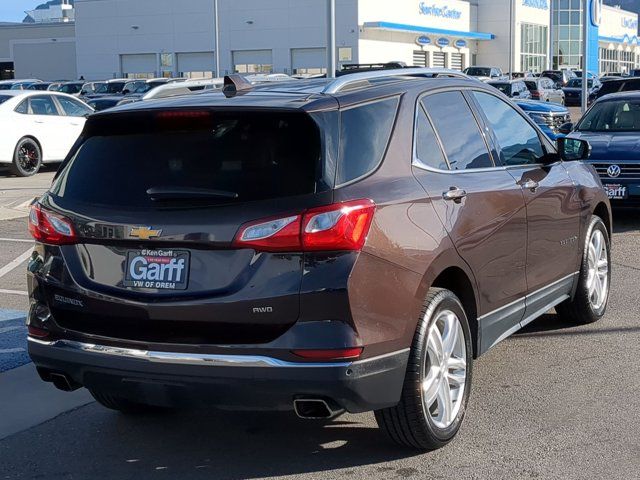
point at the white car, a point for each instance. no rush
(38, 127)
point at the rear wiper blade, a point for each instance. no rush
(187, 193)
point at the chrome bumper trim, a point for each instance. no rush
(214, 360)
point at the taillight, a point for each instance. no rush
(337, 227)
(342, 226)
(535, 93)
(50, 228)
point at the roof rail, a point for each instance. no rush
(358, 79)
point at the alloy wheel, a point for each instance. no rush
(445, 370)
(598, 268)
(28, 157)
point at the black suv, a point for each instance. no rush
(321, 245)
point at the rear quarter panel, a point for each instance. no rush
(406, 249)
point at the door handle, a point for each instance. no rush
(530, 185)
(39, 121)
(454, 193)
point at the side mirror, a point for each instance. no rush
(126, 91)
(566, 128)
(571, 149)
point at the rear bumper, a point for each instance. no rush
(232, 381)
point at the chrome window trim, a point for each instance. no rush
(203, 359)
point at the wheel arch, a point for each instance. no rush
(461, 282)
(602, 211)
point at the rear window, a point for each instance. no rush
(364, 134)
(204, 159)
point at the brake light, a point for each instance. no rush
(47, 227)
(326, 355)
(337, 227)
(535, 93)
(341, 226)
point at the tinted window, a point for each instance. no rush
(257, 156)
(70, 88)
(42, 106)
(609, 87)
(4, 98)
(427, 148)
(518, 140)
(478, 71)
(458, 130)
(621, 116)
(364, 134)
(631, 85)
(531, 85)
(503, 87)
(73, 108)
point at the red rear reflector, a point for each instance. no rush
(50, 228)
(37, 332)
(341, 354)
(337, 227)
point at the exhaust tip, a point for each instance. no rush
(314, 409)
(63, 382)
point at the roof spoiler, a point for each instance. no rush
(234, 84)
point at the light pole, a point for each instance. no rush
(216, 21)
(585, 42)
(331, 38)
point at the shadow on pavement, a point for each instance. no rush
(625, 221)
(202, 443)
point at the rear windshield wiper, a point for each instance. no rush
(187, 193)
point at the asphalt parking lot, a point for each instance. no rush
(553, 401)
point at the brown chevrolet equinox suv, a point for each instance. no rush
(319, 245)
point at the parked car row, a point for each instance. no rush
(38, 127)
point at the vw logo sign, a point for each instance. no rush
(614, 171)
(596, 12)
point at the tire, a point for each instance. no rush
(27, 158)
(414, 422)
(582, 308)
(124, 405)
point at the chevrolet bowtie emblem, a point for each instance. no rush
(144, 233)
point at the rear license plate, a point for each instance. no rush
(157, 269)
(615, 191)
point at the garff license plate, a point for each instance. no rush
(157, 269)
(615, 191)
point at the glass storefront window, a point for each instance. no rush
(533, 47)
(567, 34)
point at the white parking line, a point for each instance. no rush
(15, 263)
(16, 240)
(14, 292)
(12, 350)
(10, 329)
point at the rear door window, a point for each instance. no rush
(364, 135)
(42, 105)
(459, 131)
(193, 158)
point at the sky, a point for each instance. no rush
(13, 10)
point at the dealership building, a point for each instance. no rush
(149, 38)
